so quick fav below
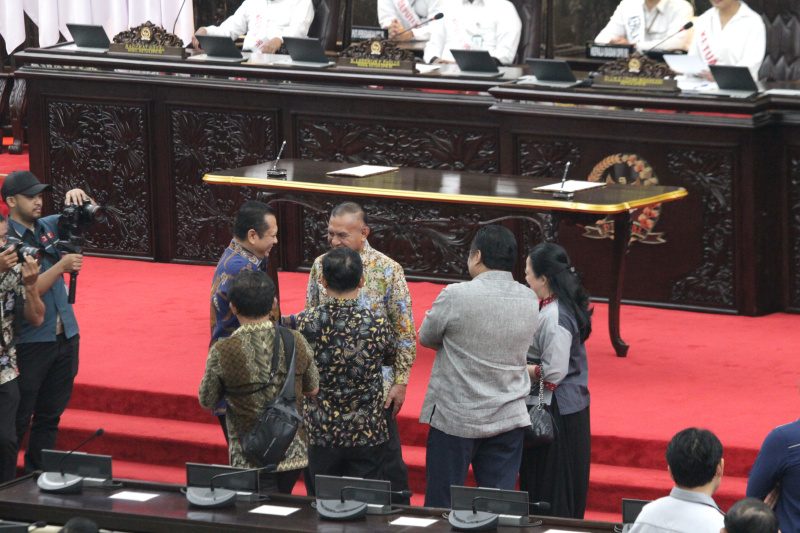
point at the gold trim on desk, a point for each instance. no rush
(558, 205)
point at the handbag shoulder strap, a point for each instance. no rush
(289, 350)
(289, 347)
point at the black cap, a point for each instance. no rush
(22, 182)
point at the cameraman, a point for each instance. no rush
(18, 294)
(47, 355)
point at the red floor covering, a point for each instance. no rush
(144, 340)
(145, 333)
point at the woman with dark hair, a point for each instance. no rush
(558, 473)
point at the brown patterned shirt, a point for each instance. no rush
(12, 293)
(243, 362)
(350, 346)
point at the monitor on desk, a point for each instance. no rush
(731, 78)
(552, 72)
(476, 63)
(306, 52)
(89, 36)
(219, 48)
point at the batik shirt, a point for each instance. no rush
(243, 362)
(350, 344)
(385, 293)
(13, 294)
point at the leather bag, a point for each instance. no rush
(542, 429)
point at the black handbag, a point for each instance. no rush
(275, 429)
(542, 429)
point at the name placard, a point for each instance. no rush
(147, 49)
(632, 82)
(361, 63)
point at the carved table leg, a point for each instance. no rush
(622, 236)
(17, 112)
(5, 86)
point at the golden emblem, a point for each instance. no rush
(376, 48)
(634, 65)
(146, 34)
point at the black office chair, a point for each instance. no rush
(530, 41)
(326, 22)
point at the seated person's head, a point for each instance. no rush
(750, 515)
(694, 457)
(342, 270)
(251, 294)
(497, 247)
(79, 524)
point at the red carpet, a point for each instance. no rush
(144, 341)
(145, 332)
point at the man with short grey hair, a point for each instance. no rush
(475, 404)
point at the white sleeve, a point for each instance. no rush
(386, 13)
(615, 27)
(424, 33)
(508, 35)
(302, 16)
(435, 45)
(234, 26)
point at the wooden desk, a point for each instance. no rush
(169, 512)
(306, 180)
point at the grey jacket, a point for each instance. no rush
(481, 330)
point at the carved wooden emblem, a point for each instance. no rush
(148, 39)
(636, 72)
(377, 48)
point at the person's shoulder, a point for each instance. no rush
(789, 431)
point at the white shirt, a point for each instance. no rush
(409, 13)
(683, 511)
(263, 20)
(743, 41)
(646, 29)
(491, 25)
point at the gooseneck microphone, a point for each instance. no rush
(685, 27)
(541, 506)
(61, 482)
(344, 509)
(218, 497)
(475, 520)
(437, 16)
(356, 490)
(177, 17)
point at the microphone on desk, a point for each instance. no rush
(685, 27)
(218, 497)
(343, 509)
(437, 16)
(465, 520)
(61, 482)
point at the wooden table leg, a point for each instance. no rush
(17, 112)
(622, 236)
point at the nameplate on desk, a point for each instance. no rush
(608, 51)
(367, 63)
(633, 82)
(146, 49)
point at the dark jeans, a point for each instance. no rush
(46, 374)
(394, 468)
(363, 461)
(495, 463)
(9, 400)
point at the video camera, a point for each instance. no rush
(72, 223)
(22, 249)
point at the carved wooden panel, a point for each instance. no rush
(428, 240)
(204, 141)
(712, 174)
(439, 146)
(794, 228)
(102, 149)
(545, 159)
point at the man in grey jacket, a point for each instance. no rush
(475, 402)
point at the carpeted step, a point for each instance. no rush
(144, 439)
(609, 484)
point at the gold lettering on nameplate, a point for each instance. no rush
(144, 49)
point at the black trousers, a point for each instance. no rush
(282, 482)
(558, 473)
(9, 400)
(394, 468)
(47, 371)
(363, 461)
